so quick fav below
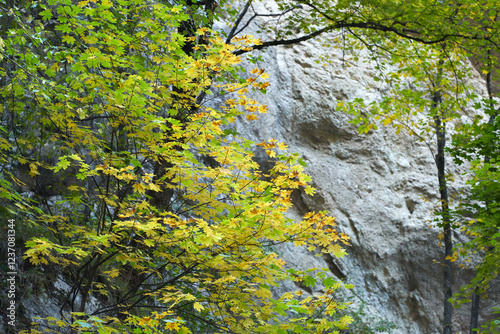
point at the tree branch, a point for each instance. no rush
(238, 21)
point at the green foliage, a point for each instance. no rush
(362, 321)
(492, 326)
(418, 71)
(480, 209)
(426, 21)
(103, 127)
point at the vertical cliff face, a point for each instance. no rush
(382, 187)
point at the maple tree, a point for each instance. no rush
(138, 193)
(429, 40)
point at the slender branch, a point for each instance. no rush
(285, 41)
(238, 21)
(264, 15)
(94, 117)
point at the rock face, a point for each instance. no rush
(382, 187)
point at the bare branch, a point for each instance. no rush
(285, 41)
(238, 21)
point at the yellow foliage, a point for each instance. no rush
(166, 206)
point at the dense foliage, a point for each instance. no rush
(136, 192)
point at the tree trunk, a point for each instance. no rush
(474, 312)
(443, 193)
(448, 244)
(163, 199)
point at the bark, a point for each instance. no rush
(448, 244)
(440, 126)
(90, 280)
(474, 312)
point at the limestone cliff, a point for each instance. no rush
(382, 187)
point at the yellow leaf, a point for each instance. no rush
(154, 187)
(272, 154)
(198, 307)
(113, 273)
(139, 187)
(33, 170)
(282, 146)
(172, 326)
(310, 190)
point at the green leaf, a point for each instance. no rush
(46, 14)
(62, 164)
(329, 282)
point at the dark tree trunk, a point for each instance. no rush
(443, 194)
(448, 244)
(163, 199)
(474, 312)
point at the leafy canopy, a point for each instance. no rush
(137, 193)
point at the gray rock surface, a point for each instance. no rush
(382, 187)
